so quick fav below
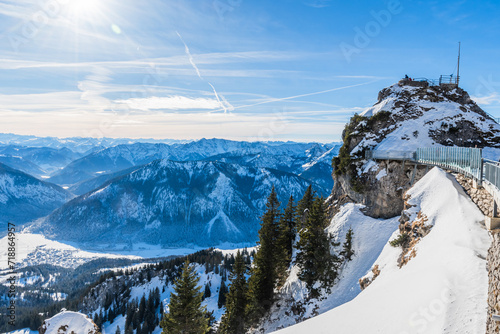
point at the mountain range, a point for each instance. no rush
(203, 203)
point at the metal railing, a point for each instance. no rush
(447, 79)
(432, 82)
(467, 161)
(491, 172)
(464, 160)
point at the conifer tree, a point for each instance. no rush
(263, 277)
(186, 314)
(313, 257)
(118, 331)
(285, 241)
(347, 251)
(222, 294)
(303, 208)
(142, 308)
(233, 321)
(207, 292)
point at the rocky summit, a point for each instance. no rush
(406, 116)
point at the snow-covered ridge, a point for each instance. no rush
(68, 322)
(428, 116)
(441, 290)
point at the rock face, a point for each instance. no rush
(405, 118)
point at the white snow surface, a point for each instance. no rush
(67, 322)
(442, 290)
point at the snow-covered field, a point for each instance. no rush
(442, 290)
(32, 249)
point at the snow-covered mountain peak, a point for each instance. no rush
(406, 117)
(67, 322)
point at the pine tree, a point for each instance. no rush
(313, 251)
(129, 330)
(207, 292)
(186, 315)
(142, 308)
(304, 206)
(347, 251)
(233, 321)
(118, 331)
(263, 276)
(222, 294)
(285, 241)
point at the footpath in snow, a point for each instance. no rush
(442, 290)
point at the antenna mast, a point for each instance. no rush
(458, 66)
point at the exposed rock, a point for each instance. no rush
(381, 195)
(365, 281)
(405, 117)
(479, 195)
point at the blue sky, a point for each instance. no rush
(236, 69)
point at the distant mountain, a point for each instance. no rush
(285, 156)
(76, 144)
(22, 164)
(24, 198)
(37, 161)
(96, 182)
(313, 164)
(175, 204)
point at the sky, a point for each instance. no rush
(235, 69)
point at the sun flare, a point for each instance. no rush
(84, 7)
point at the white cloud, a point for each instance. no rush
(493, 98)
(171, 103)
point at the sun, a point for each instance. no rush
(84, 7)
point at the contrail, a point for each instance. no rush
(218, 99)
(191, 60)
(303, 95)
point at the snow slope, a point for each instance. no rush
(67, 322)
(370, 236)
(442, 290)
